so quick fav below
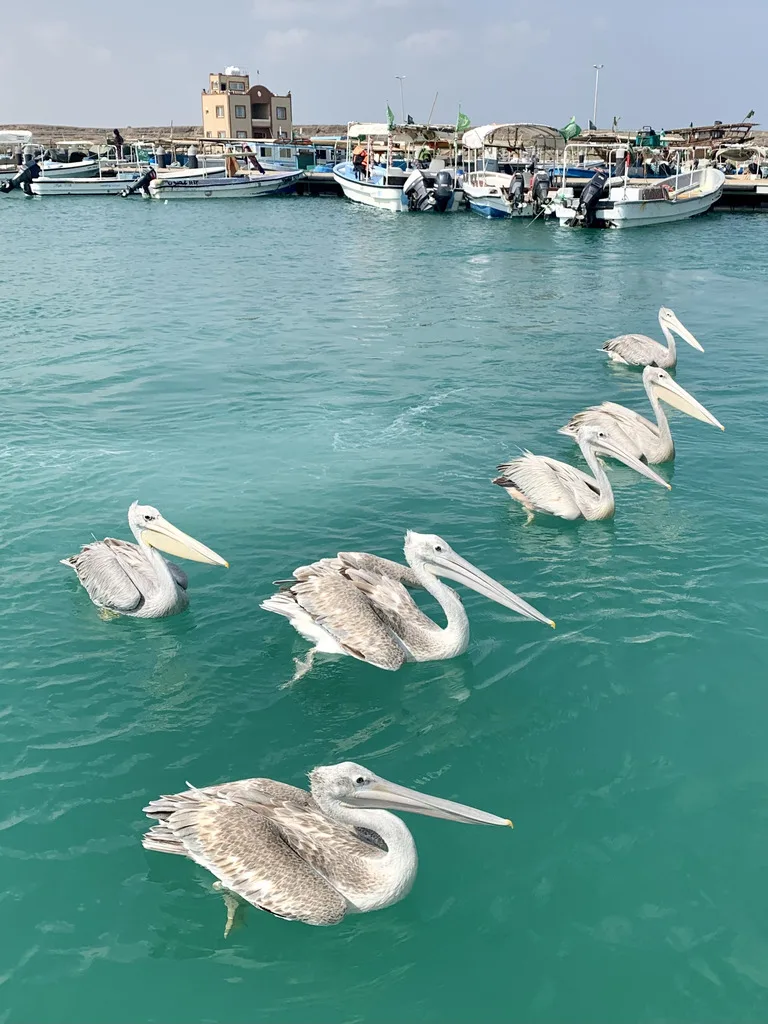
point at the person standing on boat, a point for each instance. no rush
(119, 142)
(360, 160)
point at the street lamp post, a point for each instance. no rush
(401, 79)
(597, 68)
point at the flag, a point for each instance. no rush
(390, 118)
(462, 123)
(592, 125)
(571, 130)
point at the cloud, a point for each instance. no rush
(280, 43)
(430, 43)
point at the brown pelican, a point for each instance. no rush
(356, 604)
(542, 484)
(639, 350)
(134, 579)
(311, 858)
(649, 441)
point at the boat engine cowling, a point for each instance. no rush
(516, 189)
(443, 190)
(540, 188)
(415, 189)
(22, 178)
(141, 183)
(591, 196)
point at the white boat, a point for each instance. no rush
(506, 168)
(405, 167)
(216, 187)
(630, 203)
(113, 184)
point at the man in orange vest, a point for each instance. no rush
(360, 160)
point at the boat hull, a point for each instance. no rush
(371, 192)
(225, 188)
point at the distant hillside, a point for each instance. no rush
(46, 134)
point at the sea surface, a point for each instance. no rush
(292, 377)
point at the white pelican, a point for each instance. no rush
(649, 441)
(640, 350)
(311, 858)
(542, 484)
(134, 579)
(356, 604)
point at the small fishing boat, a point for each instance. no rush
(401, 167)
(241, 186)
(624, 202)
(114, 184)
(505, 169)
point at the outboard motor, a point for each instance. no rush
(22, 178)
(539, 190)
(591, 195)
(192, 157)
(516, 189)
(443, 190)
(140, 183)
(415, 188)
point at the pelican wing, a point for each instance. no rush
(182, 580)
(393, 604)
(267, 842)
(342, 610)
(633, 431)
(116, 574)
(540, 481)
(248, 851)
(380, 566)
(636, 349)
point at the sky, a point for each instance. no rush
(92, 63)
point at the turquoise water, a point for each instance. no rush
(295, 377)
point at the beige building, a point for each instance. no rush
(235, 109)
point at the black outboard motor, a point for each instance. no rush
(140, 183)
(539, 190)
(516, 189)
(22, 178)
(419, 196)
(443, 190)
(591, 195)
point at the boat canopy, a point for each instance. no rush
(402, 133)
(511, 136)
(13, 138)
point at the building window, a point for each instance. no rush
(281, 113)
(240, 111)
(260, 111)
(219, 111)
(241, 135)
(209, 135)
(237, 86)
(222, 135)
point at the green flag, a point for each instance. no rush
(390, 118)
(571, 130)
(462, 122)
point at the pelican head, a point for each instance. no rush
(669, 391)
(431, 554)
(152, 530)
(352, 785)
(668, 319)
(601, 443)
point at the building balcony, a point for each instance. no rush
(261, 122)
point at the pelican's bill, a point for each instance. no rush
(669, 391)
(681, 330)
(173, 541)
(608, 446)
(456, 568)
(384, 795)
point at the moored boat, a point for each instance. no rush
(218, 187)
(506, 168)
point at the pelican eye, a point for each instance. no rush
(360, 781)
(438, 547)
(148, 518)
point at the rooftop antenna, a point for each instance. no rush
(429, 119)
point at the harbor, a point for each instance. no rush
(383, 534)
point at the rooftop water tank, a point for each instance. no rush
(232, 70)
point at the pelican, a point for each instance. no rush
(542, 484)
(357, 604)
(640, 350)
(312, 857)
(134, 579)
(649, 441)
